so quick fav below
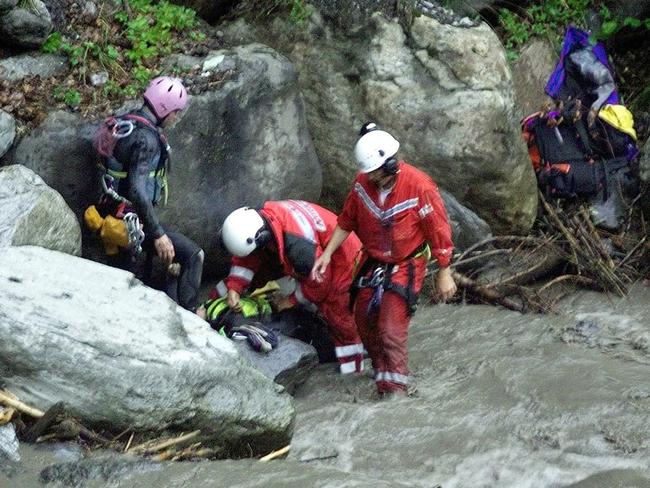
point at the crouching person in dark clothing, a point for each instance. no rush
(136, 164)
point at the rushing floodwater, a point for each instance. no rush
(503, 400)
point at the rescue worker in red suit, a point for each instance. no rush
(292, 234)
(397, 212)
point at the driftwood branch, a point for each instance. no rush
(276, 454)
(486, 293)
(147, 448)
(10, 400)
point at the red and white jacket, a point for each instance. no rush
(301, 231)
(412, 213)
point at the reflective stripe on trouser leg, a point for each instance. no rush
(348, 347)
(350, 358)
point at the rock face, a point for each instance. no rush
(450, 101)
(26, 27)
(241, 144)
(43, 65)
(444, 91)
(121, 354)
(530, 73)
(34, 214)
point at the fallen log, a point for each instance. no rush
(486, 293)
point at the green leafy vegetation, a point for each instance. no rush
(127, 44)
(549, 19)
(297, 10)
(70, 96)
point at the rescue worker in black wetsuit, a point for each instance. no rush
(139, 167)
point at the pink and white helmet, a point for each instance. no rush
(165, 95)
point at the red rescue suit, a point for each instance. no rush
(394, 235)
(301, 230)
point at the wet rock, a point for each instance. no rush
(7, 132)
(43, 65)
(289, 364)
(8, 443)
(127, 356)
(584, 331)
(35, 214)
(530, 73)
(107, 469)
(26, 27)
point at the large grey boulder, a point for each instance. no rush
(289, 364)
(444, 91)
(241, 144)
(26, 27)
(35, 214)
(124, 355)
(7, 132)
(60, 151)
(467, 228)
(530, 73)
(8, 443)
(44, 65)
(459, 124)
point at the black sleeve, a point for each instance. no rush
(300, 252)
(145, 148)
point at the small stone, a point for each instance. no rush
(99, 79)
(89, 12)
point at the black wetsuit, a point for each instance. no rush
(140, 154)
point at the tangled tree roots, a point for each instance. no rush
(532, 273)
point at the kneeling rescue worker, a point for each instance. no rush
(284, 238)
(397, 212)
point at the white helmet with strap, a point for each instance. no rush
(374, 148)
(243, 231)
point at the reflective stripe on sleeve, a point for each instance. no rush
(221, 288)
(241, 272)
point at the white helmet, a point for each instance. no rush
(241, 231)
(373, 149)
